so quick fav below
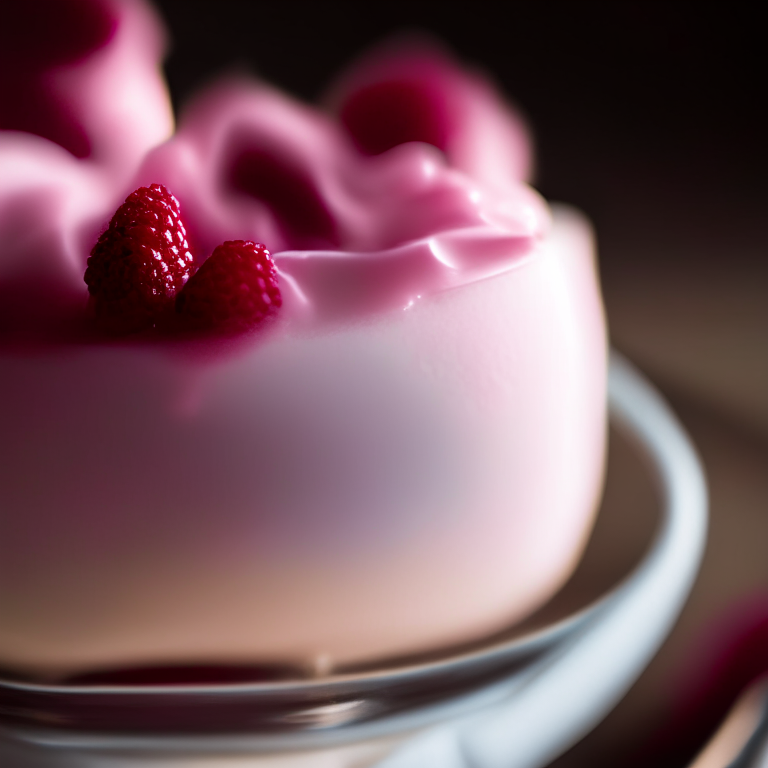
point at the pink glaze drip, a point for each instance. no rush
(361, 214)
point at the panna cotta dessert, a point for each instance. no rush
(400, 449)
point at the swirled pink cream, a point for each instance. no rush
(409, 455)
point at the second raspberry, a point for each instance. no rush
(234, 289)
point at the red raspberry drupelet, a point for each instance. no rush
(140, 262)
(233, 290)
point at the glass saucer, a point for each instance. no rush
(517, 698)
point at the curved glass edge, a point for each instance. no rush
(527, 719)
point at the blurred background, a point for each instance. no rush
(651, 118)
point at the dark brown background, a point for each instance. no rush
(650, 118)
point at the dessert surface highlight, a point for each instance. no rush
(407, 454)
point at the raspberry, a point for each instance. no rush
(140, 262)
(233, 290)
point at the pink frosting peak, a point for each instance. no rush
(84, 74)
(82, 100)
(37, 40)
(410, 184)
(410, 89)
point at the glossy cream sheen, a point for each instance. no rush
(374, 233)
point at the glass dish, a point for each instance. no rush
(512, 700)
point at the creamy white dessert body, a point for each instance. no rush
(407, 456)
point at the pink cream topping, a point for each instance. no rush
(408, 183)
